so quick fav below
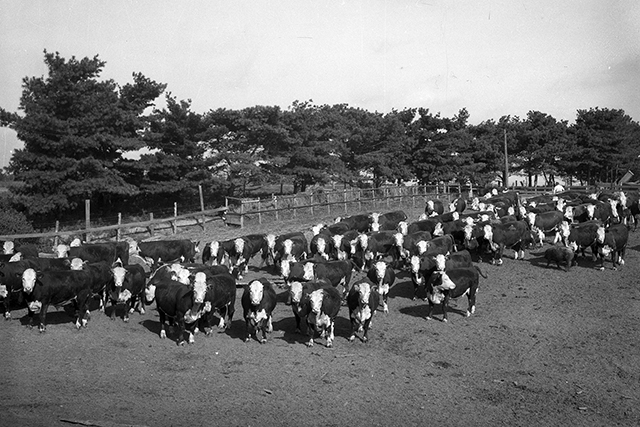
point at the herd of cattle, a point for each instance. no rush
(440, 252)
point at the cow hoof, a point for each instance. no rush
(310, 343)
(78, 324)
(600, 268)
(41, 329)
(352, 338)
(131, 310)
(163, 334)
(125, 320)
(263, 341)
(445, 320)
(7, 316)
(428, 318)
(181, 343)
(142, 311)
(468, 313)
(365, 340)
(329, 344)
(473, 309)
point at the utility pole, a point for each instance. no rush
(505, 178)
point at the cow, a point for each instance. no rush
(302, 271)
(363, 300)
(92, 252)
(184, 304)
(221, 295)
(515, 235)
(360, 222)
(168, 250)
(434, 207)
(375, 245)
(559, 255)
(322, 244)
(408, 246)
(99, 276)
(11, 283)
(275, 245)
(387, 221)
(459, 205)
(244, 249)
(57, 287)
(584, 235)
(344, 244)
(453, 283)
(422, 267)
(545, 222)
(383, 276)
(299, 296)
(432, 226)
(338, 273)
(127, 287)
(258, 302)
(614, 243)
(294, 248)
(217, 252)
(324, 307)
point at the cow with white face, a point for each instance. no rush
(258, 302)
(127, 288)
(363, 300)
(383, 276)
(324, 307)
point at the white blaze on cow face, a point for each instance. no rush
(422, 246)
(271, 241)
(381, 269)
(16, 257)
(591, 210)
(316, 229)
(118, 275)
(295, 291)
(288, 246)
(440, 262)
(403, 227)
(75, 243)
(28, 280)
(398, 238)
(308, 271)
(215, 247)
(375, 226)
(622, 199)
(61, 251)
(422, 217)
(3, 291)
(455, 216)
(364, 291)
(430, 205)
(488, 232)
(7, 247)
(446, 282)
(600, 233)
(568, 213)
(285, 268)
(363, 240)
(531, 218)
(614, 207)
(468, 232)
(511, 211)
(150, 293)
(375, 216)
(573, 246)
(560, 205)
(438, 231)
(183, 276)
(565, 229)
(321, 246)
(239, 246)
(315, 298)
(256, 289)
(76, 264)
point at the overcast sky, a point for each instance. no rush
(493, 57)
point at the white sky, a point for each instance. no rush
(494, 57)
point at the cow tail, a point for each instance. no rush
(480, 272)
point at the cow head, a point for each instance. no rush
(61, 250)
(381, 269)
(614, 208)
(623, 199)
(363, 240)
(77, 264)
(398, 239)
(438, 231)
(75, 243)
(441, 261)
(591, 210)
(295, 291)
(308, 271)
(287, 247)
(531, 219)
(7, 248)
(238, 244)
(423, 216)
(600, 234)
(569, 213)
(315, 298)
(133, 248)
(271, 241)
(321, 245)
(285, 269)
(256, 291)
(118, 274)
(316, 229)
(364, 292)
(375, 217)
(430, 206)
(199, 287)
(422, 246)
(403, 227)
(29, 277)
(183, 276)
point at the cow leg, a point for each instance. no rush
(127, 306)
(472, 302)
(429, 310)
(114, 306)
(354, 328)
(182, 330)
(248, 328)
(445, 303)
(312, 333)
(367, 324)
(385, 303)
(330, 336)
(42, 316)
(230, 312)
(297, 317)
(163, 333)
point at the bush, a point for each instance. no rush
(14, 222)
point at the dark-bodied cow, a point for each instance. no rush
(360, 222)
(363, 300)
(515, 235)
(127, 288)
(584, 235)
(322, 244)
(221, 295)
(184, 304)
(614, 243)
(383, 276)
(276, 249)
(409, 245)
(338, 273)
(458, 204)
(11, 283)
(387, 221)
(432, 226)
(167, 251)
(559, 255)
(546, 222)
(434, 207)
(299, 296)
(57, 287)
(325, 305)
(373, 246)
(244, 249)
(217, 252)
(453, 283)
(258, 302)
(294, 248)
(423, 267)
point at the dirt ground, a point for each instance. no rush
(545, 348)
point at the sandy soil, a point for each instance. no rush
(545, 347)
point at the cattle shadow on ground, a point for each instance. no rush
(342, 328)
(420, 311)
(405, 289)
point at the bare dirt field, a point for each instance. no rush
(545, 348)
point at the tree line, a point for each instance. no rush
(79, 133)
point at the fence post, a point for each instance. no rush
(259, 214)
(344, 199)
(360, 200)
(151, 225)
(386, 190)
(87, 218)
(118, 229)
(241, 214)
(295, 200)
(202, 207)
(275, 204)
(56, 240)
(174, 223)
